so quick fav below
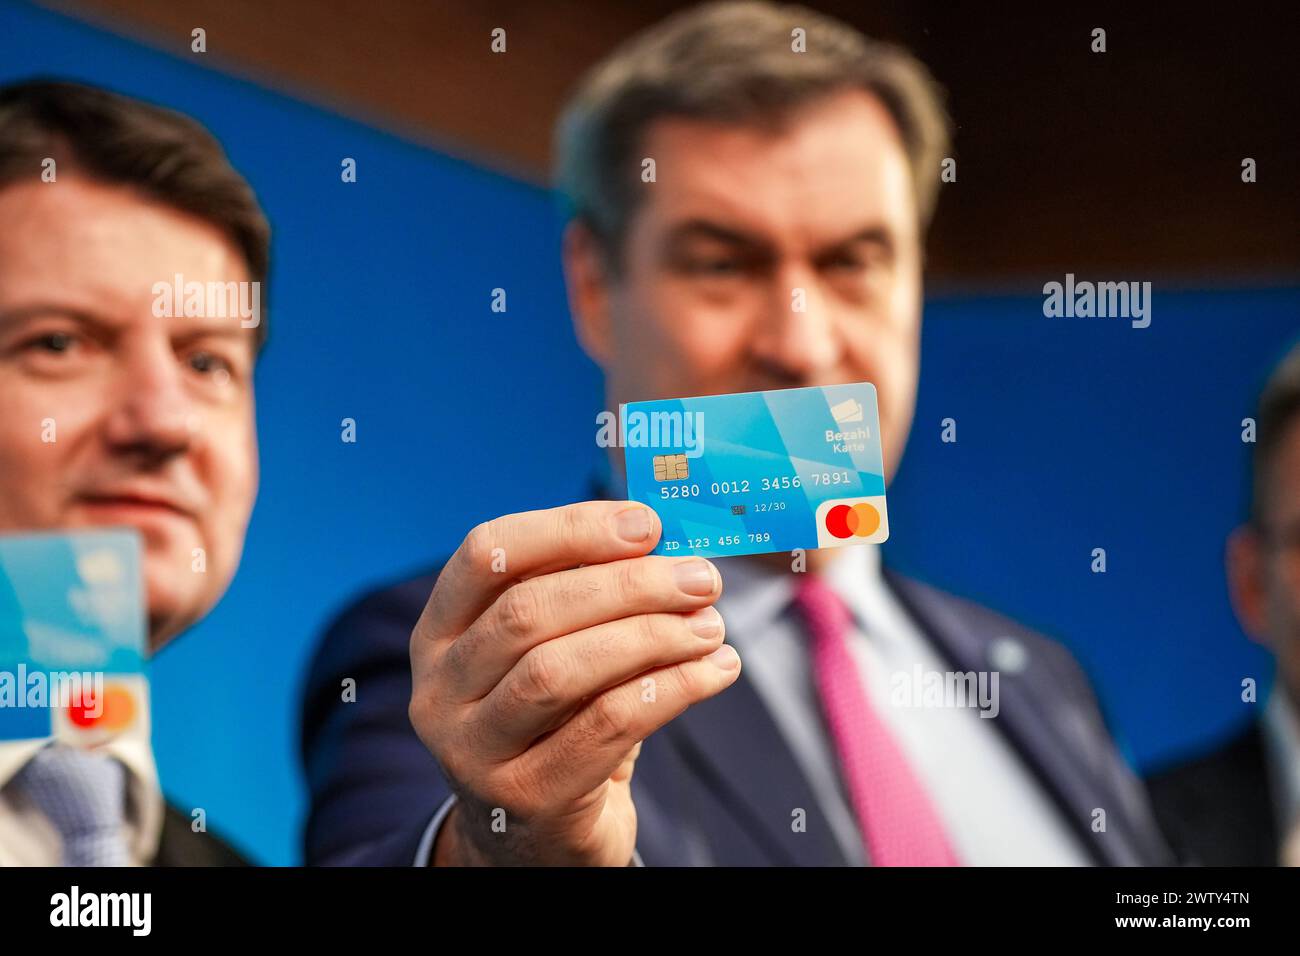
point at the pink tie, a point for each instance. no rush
(899, 826)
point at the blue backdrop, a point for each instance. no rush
(1072, 434)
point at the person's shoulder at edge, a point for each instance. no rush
(1214, 802)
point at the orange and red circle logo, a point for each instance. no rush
(114, 711)
(861, 519)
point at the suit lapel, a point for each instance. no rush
(179, 845)
(732, 743)
(1029, 722)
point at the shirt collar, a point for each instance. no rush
(14, 755)
(754, 594)
(144, 797)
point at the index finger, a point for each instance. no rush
(497, 553)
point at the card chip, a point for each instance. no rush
(670, 467)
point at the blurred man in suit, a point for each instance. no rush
(534, 740)
(101, 198)
(1239, 805)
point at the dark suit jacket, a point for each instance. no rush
(181, 846)
(1217, 809)
(717, 785)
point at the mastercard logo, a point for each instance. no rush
(117, 711)
(845, 521)
(852, 521)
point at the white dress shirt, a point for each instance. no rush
(994, 810)
(1282, 746)
(27, 838)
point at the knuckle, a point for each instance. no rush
(430, 628)
(686, 678)
(417, 645)
(415, 713)
(476, 549)
(629, 580)
(653, 631)
(422, 710)
(544, 681)
(451, 664)
(610, 719)
(520, 609)
(572, 525)
(431, 731)
(453, 766)
(459, 751)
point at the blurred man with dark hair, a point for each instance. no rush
(1240, 804)
(101, 199)
(779, 166)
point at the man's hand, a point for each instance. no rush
(551, 646)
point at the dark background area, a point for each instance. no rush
(1067, 160)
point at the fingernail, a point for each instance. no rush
(706, 622)
(725, 658)
(695, 577)
(633, 524)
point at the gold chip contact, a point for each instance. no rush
(670, 467)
